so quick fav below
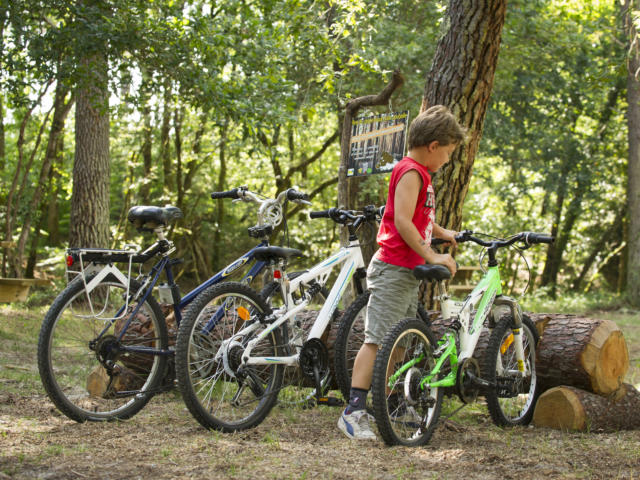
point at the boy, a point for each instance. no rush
(404, 238)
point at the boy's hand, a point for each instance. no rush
(443, 259)
(449, 236)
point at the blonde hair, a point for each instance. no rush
(436, 123)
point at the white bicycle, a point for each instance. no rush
(234, 350)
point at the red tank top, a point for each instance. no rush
(393, 249)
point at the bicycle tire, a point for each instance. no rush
(208, 376)
(350, 337)
(297, 390)
(511, 410)
(406, 414)
(72, 375)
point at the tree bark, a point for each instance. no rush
(633, 186)
(61, 109)
(461, 78)
(89, 222)
(589, 354)
(569, 408)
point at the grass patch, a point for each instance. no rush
(19, 330)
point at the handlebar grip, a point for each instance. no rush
(437, 241)
(320, 214)
(293, 194)
(531, 238)
(228, 194)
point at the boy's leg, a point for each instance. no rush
(392, 291)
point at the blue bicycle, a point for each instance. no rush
(104, 346)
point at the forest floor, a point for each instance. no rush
(163, 440)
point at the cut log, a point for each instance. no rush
(588, 354)
(541, 320)
(569, 408)
(98, 382)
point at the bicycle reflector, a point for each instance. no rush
(243, 313)
(69, 260)
(277, 274)
(506, 344)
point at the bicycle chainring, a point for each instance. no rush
(466, 388)
(314, 354)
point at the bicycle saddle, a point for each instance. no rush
(148, 217)
(431, 272)
(267, 254)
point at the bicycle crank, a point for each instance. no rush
(468, 381)
(314, 363)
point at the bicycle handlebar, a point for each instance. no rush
(233, 193)
(529, 238)
(344, 217)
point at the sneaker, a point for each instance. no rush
(355, 425)
(406, 416)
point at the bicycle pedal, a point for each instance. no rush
(330, 401)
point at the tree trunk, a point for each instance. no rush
(589, 354)
(53, 208)
(89, 222)
(147, 159)
(2, 138)
(61, 110)
(165, 150)
(569, 408)
(605, 239)
(461, 78)
(633, 187)
(220, 186)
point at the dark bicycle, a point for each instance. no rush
(104, 347)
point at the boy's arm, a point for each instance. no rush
(405, 199)
(444, 234)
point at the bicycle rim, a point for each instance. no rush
(405, 412)
(79, 331)
(209, 351)
(516, 407)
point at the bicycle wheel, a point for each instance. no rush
(350, 338)
(405, 412)
(298, 390)
(218, 391)
(513, 401)
(82, 368)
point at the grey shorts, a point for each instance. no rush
(394, 296)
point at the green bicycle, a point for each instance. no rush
(412, 368)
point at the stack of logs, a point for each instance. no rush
(581, 363)
(580, 366)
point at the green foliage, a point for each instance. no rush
(216, 95)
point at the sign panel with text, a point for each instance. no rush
(377, 143)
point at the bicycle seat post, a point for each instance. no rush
(159, 231)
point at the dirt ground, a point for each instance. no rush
(163, 440)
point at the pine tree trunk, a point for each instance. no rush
(461, 78)
(633, 188)
(89, 225)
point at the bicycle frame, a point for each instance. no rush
(486, 294)
(165, 264)
(351, 259)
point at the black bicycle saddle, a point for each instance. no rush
(267, 254)
(431, 272)
(148, 217)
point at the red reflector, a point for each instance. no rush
(69, 260)
(277, 274)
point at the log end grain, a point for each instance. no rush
(606, 358)
(559, 408)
